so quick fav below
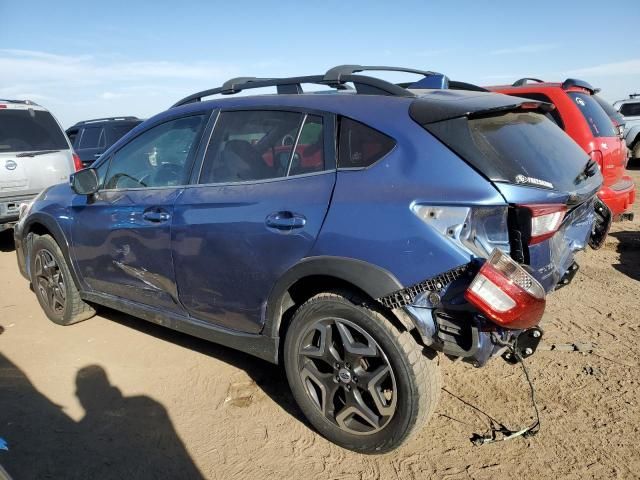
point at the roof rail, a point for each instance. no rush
(574, 82)
(335, 77)
(83, 122)
(23, 102)
(634, 95)
(336, 73)
(523, 81)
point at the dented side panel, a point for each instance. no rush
(121, 250)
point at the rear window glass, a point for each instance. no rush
(553, 115)
(630, 109)
(598, 120)
(361, 146)
(518, 147)
(30, 130)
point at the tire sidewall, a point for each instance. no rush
(408, 396)
(42, 243)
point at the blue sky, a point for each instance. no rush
(91, 59)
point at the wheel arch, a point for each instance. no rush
(41, 224)
(316, 274)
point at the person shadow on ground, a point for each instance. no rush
(118, 437)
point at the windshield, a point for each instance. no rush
(598, 120)
(29, 130)
(518, 147)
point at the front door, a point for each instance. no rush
(121, 236)
(264, 191)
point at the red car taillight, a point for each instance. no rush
(597, 157)
(77, 163)
(506, 293)
(545, 221)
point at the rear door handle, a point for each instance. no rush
(285, 220)
(156, 216)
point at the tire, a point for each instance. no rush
(53, 284)
(360, 382)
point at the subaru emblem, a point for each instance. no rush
(10, 165)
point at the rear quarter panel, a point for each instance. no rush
(370, 217)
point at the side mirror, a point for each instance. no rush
(85, 182)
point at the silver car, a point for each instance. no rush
(34, 154)
(630, 111)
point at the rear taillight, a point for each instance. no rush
(545, 221)
(506, 293)
(597, 157)
(77, 163)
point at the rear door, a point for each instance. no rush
(262, 196)
(121, 236)
(34, 151)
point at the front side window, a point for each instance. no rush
(92, 137)
(598, 120)
(361, 146)
(261, 145)
(157, 157)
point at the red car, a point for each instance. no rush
(579, 114)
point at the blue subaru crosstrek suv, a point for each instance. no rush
(350, 236)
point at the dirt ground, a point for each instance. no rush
(116, 397)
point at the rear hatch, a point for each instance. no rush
(34, 152)
(533, 164)
(608, 148)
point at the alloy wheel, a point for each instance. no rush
(50, 281)
(347, 376)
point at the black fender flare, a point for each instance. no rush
(371, 279)
(58, 235)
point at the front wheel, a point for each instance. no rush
(362, 384)
(53, 284)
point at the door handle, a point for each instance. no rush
(156, 216)
(285, 220)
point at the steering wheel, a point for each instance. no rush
(287, 140)
(168, 174)
(115, 180)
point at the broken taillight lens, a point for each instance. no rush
(506, 293)
(545, 221)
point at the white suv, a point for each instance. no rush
(34, 154)
(630, 111)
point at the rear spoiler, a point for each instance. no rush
(442, 105)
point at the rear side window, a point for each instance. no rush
(598, 120)
(630, 109)
(92, 137)
(263, 144)
(361, 146)
(517, 147)
(30, 130)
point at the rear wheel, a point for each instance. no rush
(53, 284)
(361, 383)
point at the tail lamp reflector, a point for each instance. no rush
(77, 163)
(506, 293)
(545, 221)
